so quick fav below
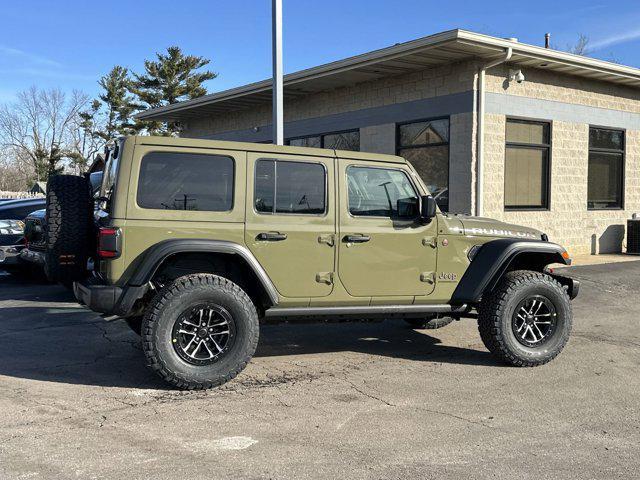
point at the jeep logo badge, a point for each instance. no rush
(447, 277)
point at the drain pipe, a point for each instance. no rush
(480, 128)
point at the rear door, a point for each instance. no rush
(290, 221)
(381, 254)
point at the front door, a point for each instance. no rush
(381, 251)
(290, 221)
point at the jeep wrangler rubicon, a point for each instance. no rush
(195, 242)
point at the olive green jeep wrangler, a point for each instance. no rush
(196, 242)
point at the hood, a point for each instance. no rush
(37, 214)
(489, 227)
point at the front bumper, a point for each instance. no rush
(108, 299)
(32, 256)
(571, 285)
(10, 255)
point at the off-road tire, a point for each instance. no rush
(166, 307)
(429, 323)
(496, 313)
(69, 229)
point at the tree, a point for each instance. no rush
(172, 78)
(580, 47)
(119, 105)
(36, 130)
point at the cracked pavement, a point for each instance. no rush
(338, 400)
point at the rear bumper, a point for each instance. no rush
(108, 299)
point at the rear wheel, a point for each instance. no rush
(526, 321)
(68, 229)
(200, 331)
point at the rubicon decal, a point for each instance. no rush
(494, 232)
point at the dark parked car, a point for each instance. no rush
(20, 208)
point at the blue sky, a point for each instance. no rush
(70, 44)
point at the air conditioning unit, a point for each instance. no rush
(633, 235)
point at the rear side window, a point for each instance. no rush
(186, 181)
(290, 187)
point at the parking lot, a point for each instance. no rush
(343, 400)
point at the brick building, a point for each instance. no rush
(495, 127)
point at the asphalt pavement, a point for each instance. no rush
(336, 400)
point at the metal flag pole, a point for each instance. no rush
(278, 104)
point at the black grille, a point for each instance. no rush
(8, 240)
(633, 236)
(34, 232)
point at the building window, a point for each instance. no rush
(290, 187)
(526, 168)
(606, 167)
(426, 146)
(186, 181)
(338, 141)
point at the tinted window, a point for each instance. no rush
(338, 141)
(606, 165)
(526, 166)
(186, 181)
(289, 187)
(426, 146)
(374, 192)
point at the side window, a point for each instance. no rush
(186, 181)
(290, 187)
(374, 192)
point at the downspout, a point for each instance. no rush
(480, 129)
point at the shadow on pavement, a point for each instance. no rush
(43, 339)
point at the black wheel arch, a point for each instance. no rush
(180, 253)
(497, 257)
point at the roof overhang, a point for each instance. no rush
(432, 51)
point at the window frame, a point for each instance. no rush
(275, 188)
(532, 146)
(176, 152)
(322, 135)
(399, 147)
(407, 174)
(622, 151)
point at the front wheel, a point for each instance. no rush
(526, 321)
(200, 331)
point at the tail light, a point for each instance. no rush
(109, 242)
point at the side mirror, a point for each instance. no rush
(427, 207)
(407, 208)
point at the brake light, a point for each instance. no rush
(109, 242)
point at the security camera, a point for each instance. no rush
(516, 75)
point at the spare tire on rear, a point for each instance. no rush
(69, 228)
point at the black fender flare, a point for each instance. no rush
(492, 261)
(157, 254)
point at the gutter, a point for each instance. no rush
(480, 128)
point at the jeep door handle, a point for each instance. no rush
(271, 236)
(356, 238)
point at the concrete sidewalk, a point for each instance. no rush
(587, 259)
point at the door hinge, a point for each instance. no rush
(324, 277)
(328, 239)
(430, 242)
(428, 277)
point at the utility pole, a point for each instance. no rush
(278, 104)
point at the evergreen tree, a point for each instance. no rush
(119, 105)
(172, 78)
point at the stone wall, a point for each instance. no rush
(567, 221)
